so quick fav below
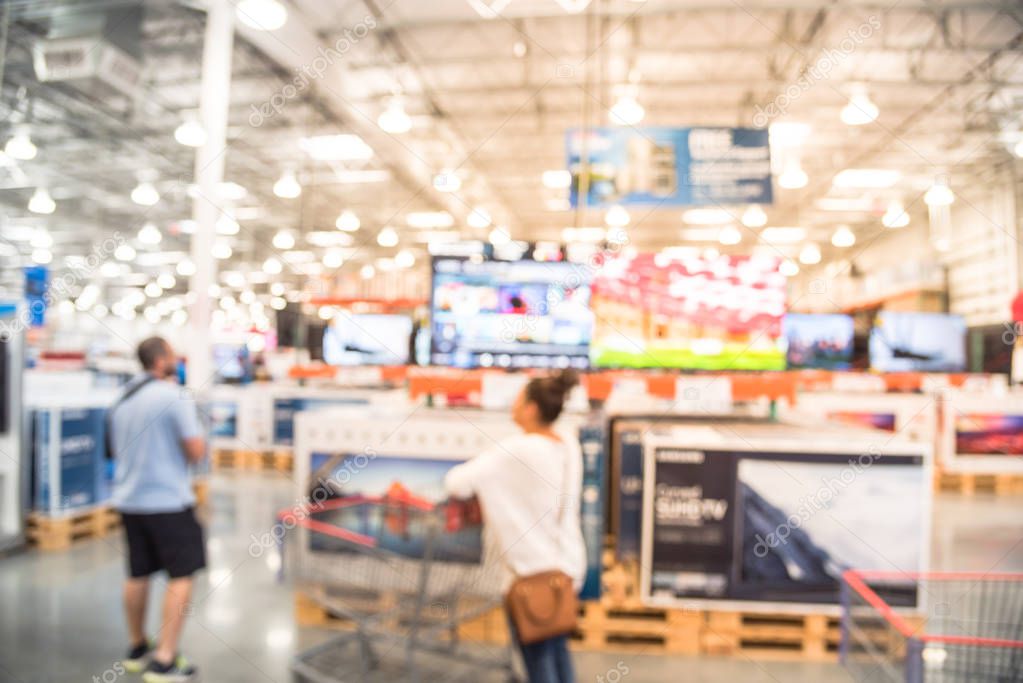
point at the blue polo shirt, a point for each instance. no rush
(151, 469)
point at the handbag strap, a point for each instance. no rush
(109, 442)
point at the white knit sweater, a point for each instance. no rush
(529, 496)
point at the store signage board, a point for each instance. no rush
(667, 166)
(769, 524)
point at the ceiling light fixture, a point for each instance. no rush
(617, 217)
(150, 235)
(429, 220)
(287, 186)
(153, 290)
(227, 225)
(557, 179)
(166, 280)
(231, 191)
(42, 256)
(340, 147)
(394, 119)
(262, 15)
(190, 132)
(843, 237)
(810, 254)
(729, 235)
(626, 111)
(186, 267)
(284, 239)
(347, 221)
(272, 266)
(499, 236)
(333, 258)
(125, 252)
(895, 216)
(21, 147)
(42, 202)
(754, 217)
(145, 194)
(793, 177)
(387, 237)
(866, 178)
(221, 250)
(367, 272)
(860, 110)
(404, 259)
(788, 268)
(940, 194)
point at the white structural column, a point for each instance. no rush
(209, 172)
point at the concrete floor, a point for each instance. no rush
(60, 618)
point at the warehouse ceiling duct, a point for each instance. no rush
(96, 51)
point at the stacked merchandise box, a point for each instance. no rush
(375, 451)
(982, 433)
(911, 416)
(68, 456)
(221, 410)
(765, 517)
(288, 403)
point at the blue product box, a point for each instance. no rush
(75, 436)
(630, 492)
(591, 442)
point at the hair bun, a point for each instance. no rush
(566, 380)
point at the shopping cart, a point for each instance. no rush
(404, 574)
(967, 627)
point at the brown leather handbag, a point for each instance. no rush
(544, 605)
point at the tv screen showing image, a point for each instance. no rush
(918, 342)
(516, 314)
(689, 311)
(367, 339)
(818, 341)
(231, 363)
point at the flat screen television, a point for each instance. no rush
(918, 342)
(516, 314)
(231, 363)
(689, 311)
(822, 341)
(367, 339)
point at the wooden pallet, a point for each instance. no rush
(273, 461)
(969, 484)
(812, 637)
(57, 533)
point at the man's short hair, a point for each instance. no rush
(151, 350)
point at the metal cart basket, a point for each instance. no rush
(402, 574)
(967, 628)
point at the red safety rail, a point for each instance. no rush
(857, 580)
(369, 303)
(745, 386)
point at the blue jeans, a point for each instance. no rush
(547, 661)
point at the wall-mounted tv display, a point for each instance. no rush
(918, 342)
(689, 311)
(822, 341)
(367, 339)
(492, 313)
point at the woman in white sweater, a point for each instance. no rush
(528, 487)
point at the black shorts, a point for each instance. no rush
(170, 541)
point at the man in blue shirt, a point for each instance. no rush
(154, 436)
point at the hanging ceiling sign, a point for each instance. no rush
(669, 166)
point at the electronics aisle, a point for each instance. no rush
(465, 339)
